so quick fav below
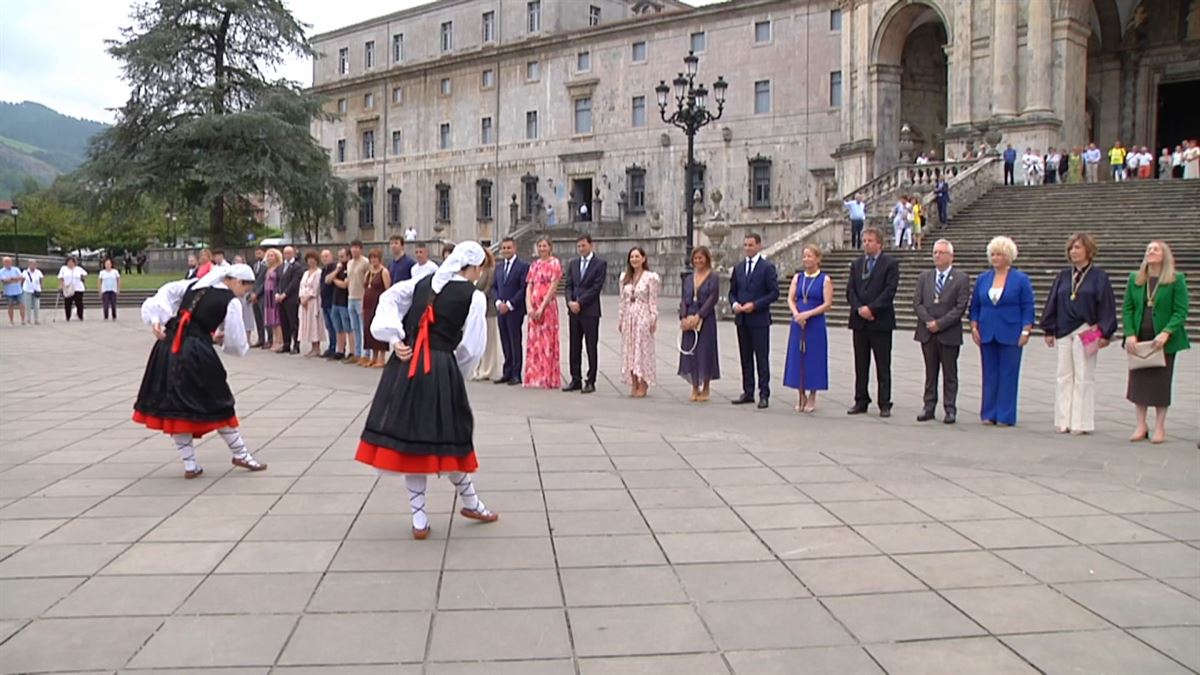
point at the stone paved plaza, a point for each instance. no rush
(648, 536)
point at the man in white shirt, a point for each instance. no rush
(410, 235)
(1091, 158)
(10, 277)
(70, 285)
(424, 266)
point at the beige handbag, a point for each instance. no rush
(1146, 355)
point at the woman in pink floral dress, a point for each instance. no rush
(542, 361)
(638, 322)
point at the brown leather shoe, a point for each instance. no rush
(481, 516)
(421, 535)
(193, 474)
(249, 463)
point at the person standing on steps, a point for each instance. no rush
(942, 192)
(1091, 158)
(753, 286)
(940, 301)
(1010, 164)
(1116, 159)
(858, 219)
(585, 281)
(511, 277)
(871, 292)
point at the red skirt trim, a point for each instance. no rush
(399, 462)
(169, 425)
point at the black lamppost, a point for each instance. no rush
(16, 235)
(691, 113)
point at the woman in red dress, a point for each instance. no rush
(184, 392)
(378, 281)
(420, 421)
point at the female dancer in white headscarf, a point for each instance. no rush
(420, 421)
(184, 392)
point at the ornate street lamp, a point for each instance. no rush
(691, 114)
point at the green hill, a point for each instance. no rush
(40, 143)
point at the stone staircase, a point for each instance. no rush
(1122, 216)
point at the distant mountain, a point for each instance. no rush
(40, 143)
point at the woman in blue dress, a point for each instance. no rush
(699, 362)
(809, 298)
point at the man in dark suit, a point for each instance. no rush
(753, 286)
(509, 288)
(871, 292)
(940, 301)
(288, 298)
(260, 282)
(585, 281)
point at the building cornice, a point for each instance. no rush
(427, 8)
(492, 52)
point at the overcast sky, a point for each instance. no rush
(53, 52)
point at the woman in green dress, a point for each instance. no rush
(1155, 310)
(1075, 171)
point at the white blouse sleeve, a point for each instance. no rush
(165, 303)
(474, 339)
(388, 325)
(235, 329)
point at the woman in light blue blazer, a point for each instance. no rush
(1001, 320)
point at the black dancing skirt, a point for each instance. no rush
(422, 423)
(185, 392)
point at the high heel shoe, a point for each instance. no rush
(1156, 439)
(1139, 436)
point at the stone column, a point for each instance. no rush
(1004, 58)
(1041, 58)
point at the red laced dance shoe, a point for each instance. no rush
(194, 473)
(484, 516)
(248, 462)
(421, 535)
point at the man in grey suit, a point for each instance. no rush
(940, 301)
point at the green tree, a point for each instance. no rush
(204, 125)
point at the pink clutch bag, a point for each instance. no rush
(1091, 341)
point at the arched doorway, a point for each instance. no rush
(911, 82)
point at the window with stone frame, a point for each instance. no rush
(397, 95)
(444, 140)
(446, 87)
(398, 48)
(447, 36)
(699, 42)
(443, 203)
(484, 202)
(489, 26)
(366, 206)
(635, 180)
(341, 150)
(397, 143)
(487, 79)
(760, 182)
(698, 171)
(593, 15)
(583, 115)
(486, 137)
(339, 217)
(762, 97)
(368, 144)
(762, 32)
(368, 101)
(341, 106)
(638, 115)
(638, 52)
(393, 206)
(583, 61)
(835, 20)
(531, 125)
(369, 55)
(344, 61)
(534, 16)
(529, 195)
(533, 71)
(835, 89)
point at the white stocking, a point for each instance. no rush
(187, 451)
(233, 438)
(466, 491)
(416, 499)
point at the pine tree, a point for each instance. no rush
(204, 124)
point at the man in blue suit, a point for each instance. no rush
(753, 286)
(585, 281)
(510, 308)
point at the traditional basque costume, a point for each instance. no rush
(184, 392)
(420, 421)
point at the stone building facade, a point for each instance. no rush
(1034, 73)
(454, 116)
(443, 140)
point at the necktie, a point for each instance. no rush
(941, 283)
(749, 267)
(507, 267)
(870, 265)
(583, 268)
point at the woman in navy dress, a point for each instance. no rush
(699, 362)
(1001, 320)
(807, 367)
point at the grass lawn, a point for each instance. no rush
(140, 282)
